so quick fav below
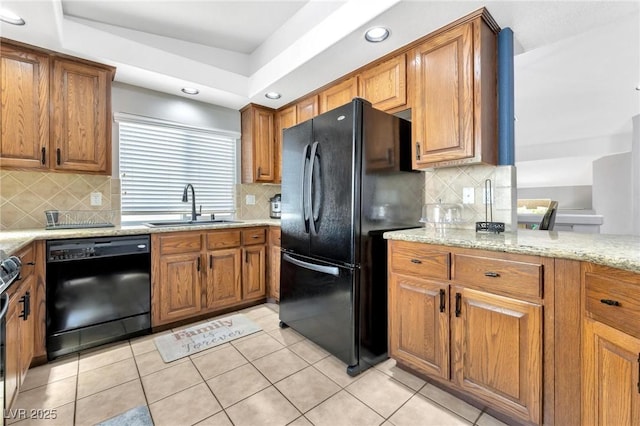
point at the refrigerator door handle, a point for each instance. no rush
(330, 270)
(312, 212)
(303, 190)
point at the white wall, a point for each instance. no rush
(136, 100)
(612, 193)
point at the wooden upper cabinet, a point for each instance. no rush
(55, 111)
(257, 144)
(24, 112)
(81, 126)
(338, 94)
(306, 109)
(284, 118)
(454, 111)
(385, 85)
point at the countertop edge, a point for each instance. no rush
(13, 241)
(616, 251)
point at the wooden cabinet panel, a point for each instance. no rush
(223, 278)
(254, 236)
(274, 263)
(223, 239)
(179, 242)
(306, 109)
(517, 278)
(497, 350)
(338, 95)
(284, 119)
(24, 108)
(178, 286)
(455, 98)
(257, 144)
(81, 126)
(611, 374)
(253, 272)
(12, 354)
(26, 299)
(385, 85)
(419, 324)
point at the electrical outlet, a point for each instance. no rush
(250, 199)
(468, 196)
(96, 198)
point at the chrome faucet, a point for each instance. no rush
(185, 198)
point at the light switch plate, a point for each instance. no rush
(250, 199)
(468, 195)
(96, 198)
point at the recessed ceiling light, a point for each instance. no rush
(273, 95)
(638, 87)
(190, 91)
(376, 34)
(9, 17)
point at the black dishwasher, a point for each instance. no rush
(98, 291)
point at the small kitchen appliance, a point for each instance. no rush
(276, 206)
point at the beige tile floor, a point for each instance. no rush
(273, 377)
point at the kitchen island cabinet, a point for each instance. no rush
(55, 111)
(470, 320)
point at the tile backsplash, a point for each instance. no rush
(262, 194)
(24, 196)
(446, 185)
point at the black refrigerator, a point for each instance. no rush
(345, 175)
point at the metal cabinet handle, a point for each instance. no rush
(610, 302)
(198, 264)
(44, 155)
(416, 261)
(26, 306)
(58, 156)
(255, 236)
(491, 274)
(458, 304)
(246, 256)
(210, 261)
(418, 151)
(259, 171)
(442, 300)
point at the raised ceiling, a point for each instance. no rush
(235, 51)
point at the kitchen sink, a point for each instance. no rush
(165, 223)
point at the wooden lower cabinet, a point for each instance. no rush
(12, 354)
(223, 278)
(419, 324)
(273, 290)
(461, 332)
(611, 382)
(497, 350)
(194, 273)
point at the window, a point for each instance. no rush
(158, 158)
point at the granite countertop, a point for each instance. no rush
(617, 251)
(12, 241)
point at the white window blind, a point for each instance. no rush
(158, 158)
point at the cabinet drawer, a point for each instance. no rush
(502, 276)
(419, 260)
(274, 236)
(614, 299)
(178, 243)
(254, 236)
(223, 239)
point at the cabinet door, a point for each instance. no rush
(24, 111)
(306, 109)
(12, 353)
(419, 324)
(274, 272)
(253, 272)
(177, 288)
(284, 119)
(385, 85)
(81, 127)
(338, 95)
(497, 350)
(611, 369)
(27, 299)
(223, 278)
(442, 112)
(257, 144)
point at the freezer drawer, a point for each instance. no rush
(317, 301)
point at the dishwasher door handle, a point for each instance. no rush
(330, 270)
